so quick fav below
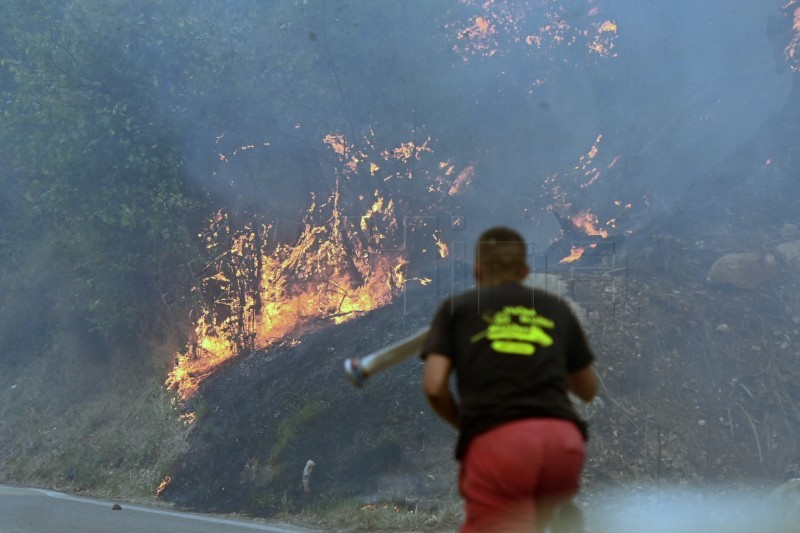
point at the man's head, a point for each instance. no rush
(500, 256)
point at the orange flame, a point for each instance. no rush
(586, 221)
(792, 51)
(575, 253)
(501, 24)
(608, 26)
(330, 272)
(603, 43)
(462, 181)
(258, 290)
(441, 246)
(163, 485)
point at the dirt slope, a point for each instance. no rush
(700, 382)
(260, 421)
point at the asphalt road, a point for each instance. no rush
(43, 511)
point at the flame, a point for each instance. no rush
(441, 246)
(480, 36)
(163, 486)
(575, 253)
(376, 208)
(258, 290)
(346, 151)
(603, 43)
(330, 272)
(586, 172)
(608, 26)
(498, 26)
(586, 222)
(336, 143)
(463, 180)
(483, 27)
(407, 151)
(792, 50)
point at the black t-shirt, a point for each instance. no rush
(512, 348)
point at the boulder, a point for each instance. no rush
(789, 231)
(788, 254)
(743, 270)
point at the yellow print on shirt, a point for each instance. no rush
(516, 330)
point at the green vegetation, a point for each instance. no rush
(289, 427)
(130, 132)
(123, 447)
(351, 515)
(116, 119)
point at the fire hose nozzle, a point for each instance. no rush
(354, 372)
(358, 370)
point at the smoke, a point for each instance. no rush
(673, 90)
(689, 84)
(688, 510)
(698, 80)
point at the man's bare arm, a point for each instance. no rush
(583, 383)
(436, 384)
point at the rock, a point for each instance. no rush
(116, 507)
(789, 231)
(788, 254)
(743, 270)
(307, 475)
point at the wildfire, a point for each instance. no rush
(407, 151)
(499, 26)
(575, 253)
(462, 181)
(586, 166)
(258, 289)
(608, 27)
(792, 50)
(441, 246)
(587, 223)
(163, 485)
(332, 271)
(603, 43)
(479, 37)
(585, 173)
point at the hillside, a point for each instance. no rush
(184, 183)
(700, 380)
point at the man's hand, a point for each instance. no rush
(436, 384)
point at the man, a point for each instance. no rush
(516, 351)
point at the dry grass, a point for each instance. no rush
(352, 516)
(119, 443)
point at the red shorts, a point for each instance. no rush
(519, 469)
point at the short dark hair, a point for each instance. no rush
(501, 253)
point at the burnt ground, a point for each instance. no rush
(261, 419)
(700, 383)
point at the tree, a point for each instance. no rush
(98, 169)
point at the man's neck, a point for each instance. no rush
(498, 281)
